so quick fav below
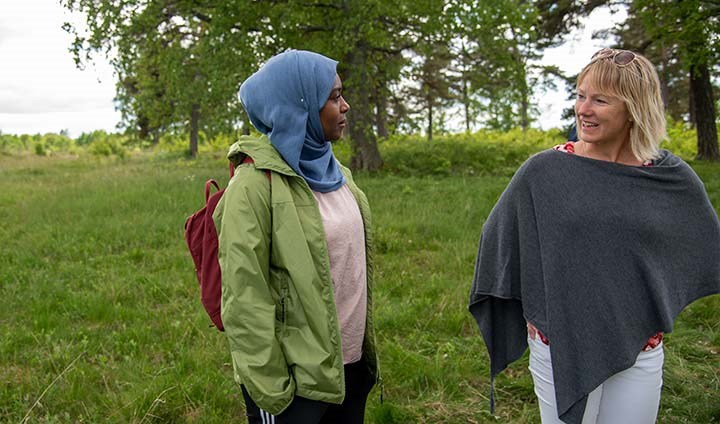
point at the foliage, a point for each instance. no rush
(111, 328)
(41, 145)
(496, 49)
(485, 152)
(482, 153)
(10, 144)
(177, 73)
(559, 17)
(682, 139)
(180, 62)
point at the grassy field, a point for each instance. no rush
(100, 319)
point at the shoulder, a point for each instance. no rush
(264, 155)
(669, 162)
(539, 162)
(249, 183)
(248, 144)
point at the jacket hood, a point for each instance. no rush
(262, 153)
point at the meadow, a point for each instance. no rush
(101, 322)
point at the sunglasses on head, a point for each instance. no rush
(619, 57)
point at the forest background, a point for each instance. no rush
(409, 67)
(99, 313)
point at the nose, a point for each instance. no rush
(582, 107)
(344, 105)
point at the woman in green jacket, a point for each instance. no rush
(295, 250)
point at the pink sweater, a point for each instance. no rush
(345, 236)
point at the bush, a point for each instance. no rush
(58, 142)
(481, 153)
(11, 144)
(107, 147)
(682, 140)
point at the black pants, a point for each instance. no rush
(358, 383)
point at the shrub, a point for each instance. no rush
(107, 147)
(39, 147)
(11, 144)
(58, 142)
(682, 140)
(482, 153)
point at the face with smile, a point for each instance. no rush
(332, 114)
(602, 119)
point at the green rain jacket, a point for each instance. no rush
(278, 304)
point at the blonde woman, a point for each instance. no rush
(593, 250)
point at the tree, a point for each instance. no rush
(431, 82)
(179, 62)
(174, 72)
(497, 44)
(557, 18)
(368, 37)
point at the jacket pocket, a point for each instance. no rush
(281, 314)
(281, 291)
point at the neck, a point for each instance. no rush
(617, 152)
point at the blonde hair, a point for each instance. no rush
(638, 86)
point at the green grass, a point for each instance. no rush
(100, 318)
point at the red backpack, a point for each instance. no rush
(202, 240)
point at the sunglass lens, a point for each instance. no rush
(624, 57)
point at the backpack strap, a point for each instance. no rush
(208, 184)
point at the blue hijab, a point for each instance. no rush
(283, 100)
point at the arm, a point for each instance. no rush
(243, 221)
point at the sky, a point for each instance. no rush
(41, 89)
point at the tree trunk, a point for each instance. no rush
(704, 107)
(246, 124)
(466, 103)
(525, 105)
(380, 113)
(194, 125)
(430, 119)
(664, 78)
(524, 113)
(692, 117)
(364, 150)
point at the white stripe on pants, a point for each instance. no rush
(631, 396)
(267, 418)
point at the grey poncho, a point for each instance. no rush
(599, 256)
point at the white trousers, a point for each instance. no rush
(628, 397)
